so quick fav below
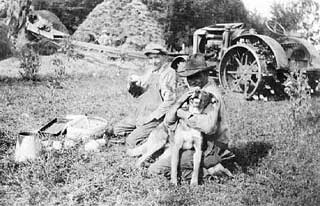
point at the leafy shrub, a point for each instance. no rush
(299, 91)
(59, 67)
(29, 63)
(67, 48)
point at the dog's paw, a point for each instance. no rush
(219, 170)
(139, 163)
(174, 182)
(131, 153)
(194, 182)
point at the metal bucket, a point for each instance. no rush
(28, 147)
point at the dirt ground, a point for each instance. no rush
(277, 159)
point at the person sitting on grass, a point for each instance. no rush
(156, 93)
(216, 136)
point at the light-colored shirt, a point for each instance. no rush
(159, 94)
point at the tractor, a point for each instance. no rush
(246, 62)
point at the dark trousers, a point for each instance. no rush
(137, 134)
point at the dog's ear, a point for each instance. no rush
(207, 97)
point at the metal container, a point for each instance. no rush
(28, 147)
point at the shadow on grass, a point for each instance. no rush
(311, 119)
(248, 155)
(41, 80)
(5, 80)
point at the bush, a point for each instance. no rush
(59, 68)
(299, 92)
(67, 48)
(29, 63)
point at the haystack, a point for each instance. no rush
(126, 23)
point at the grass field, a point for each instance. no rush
(278, 159)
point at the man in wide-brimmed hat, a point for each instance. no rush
(156, 93)
(211, 123)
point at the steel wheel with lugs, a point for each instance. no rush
(240, 70)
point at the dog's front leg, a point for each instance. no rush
(196, 165)
(174, 163)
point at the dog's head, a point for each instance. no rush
(199, 100)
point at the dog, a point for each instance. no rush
(186, 137)
(158, 138)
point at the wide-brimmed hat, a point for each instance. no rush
(154, 48)
(196, 63)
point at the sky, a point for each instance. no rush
(262, 6)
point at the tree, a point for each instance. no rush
(256, 21)
(17, 14)
(183, 17)
(300, 16)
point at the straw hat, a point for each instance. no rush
(154, 48)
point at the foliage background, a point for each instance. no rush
(301, 17)
(180, 18)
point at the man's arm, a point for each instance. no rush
(172, 116)
(168, 94)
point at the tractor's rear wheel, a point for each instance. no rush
(240, 70)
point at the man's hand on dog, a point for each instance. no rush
(182, 113)
(184, 97)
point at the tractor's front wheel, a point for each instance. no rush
(240, 70)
